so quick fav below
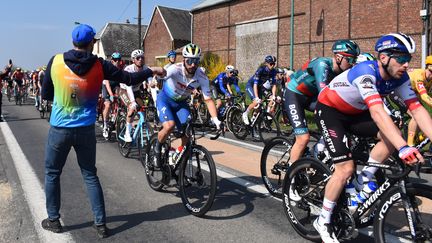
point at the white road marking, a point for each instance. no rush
(32, 188)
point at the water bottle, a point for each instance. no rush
(367, 190)
(254, 117)
(221, 111)
(351, 194)
(177, 154)
(319, 149)
(171, 156)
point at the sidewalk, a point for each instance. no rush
(238, 158)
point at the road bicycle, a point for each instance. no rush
(18, 95)
(263, 126)
(45, 109)
(194, 171)
(141, 134)
(117, 109)
(398, 208)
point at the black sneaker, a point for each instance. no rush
(102, 231)
(54, 226)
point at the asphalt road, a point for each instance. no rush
(135, 213)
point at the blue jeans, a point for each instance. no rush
(60, 141)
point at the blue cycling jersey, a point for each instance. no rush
(222, 81)
(263, 77)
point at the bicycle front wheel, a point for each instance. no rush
(197, 181)
(303, 194)
(124, 148)
(391, 222)
(236, 124)
(268, 127)
(274, 164)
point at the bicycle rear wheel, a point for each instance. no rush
(307, 177)
(197, 181)
(154, 176)
(274, 164)
(391, 223)
(236, 124)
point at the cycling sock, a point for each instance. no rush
(128, 127)
(247, 110)
(326, 212)
(410, 139)
(105, 123)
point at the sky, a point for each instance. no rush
(33, 31)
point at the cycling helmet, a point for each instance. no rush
(44, 67)
(428, 60)
(137, 53)
(171, 53)
(270, 59)
(346, 48)
(280, 70)
(18, 69)
(395, 42)
(229, 68)
(116, 55)
(191, 51)
(366, 56)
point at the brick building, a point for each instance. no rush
(169, 29)
(242, 32)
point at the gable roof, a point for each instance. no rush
(208, 3)
(120, 37)
(177, 21)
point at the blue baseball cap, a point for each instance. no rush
(83, 34)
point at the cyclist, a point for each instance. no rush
(172, 57)
(157, 83)
(18, 77)
(421, 82)
(263, 80)
(41, 76)
(352, 103)
(35, 80)
(365, 56)
(172, 106)
(108, 90)
(221, 85)
(131, 95)
(305, 84)
(4, 74)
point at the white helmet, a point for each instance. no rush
(137, 53)
(191, 51)
(229, 68)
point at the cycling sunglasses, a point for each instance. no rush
(191, 61)
(139, 57)
(401, 59)
(116, 59)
